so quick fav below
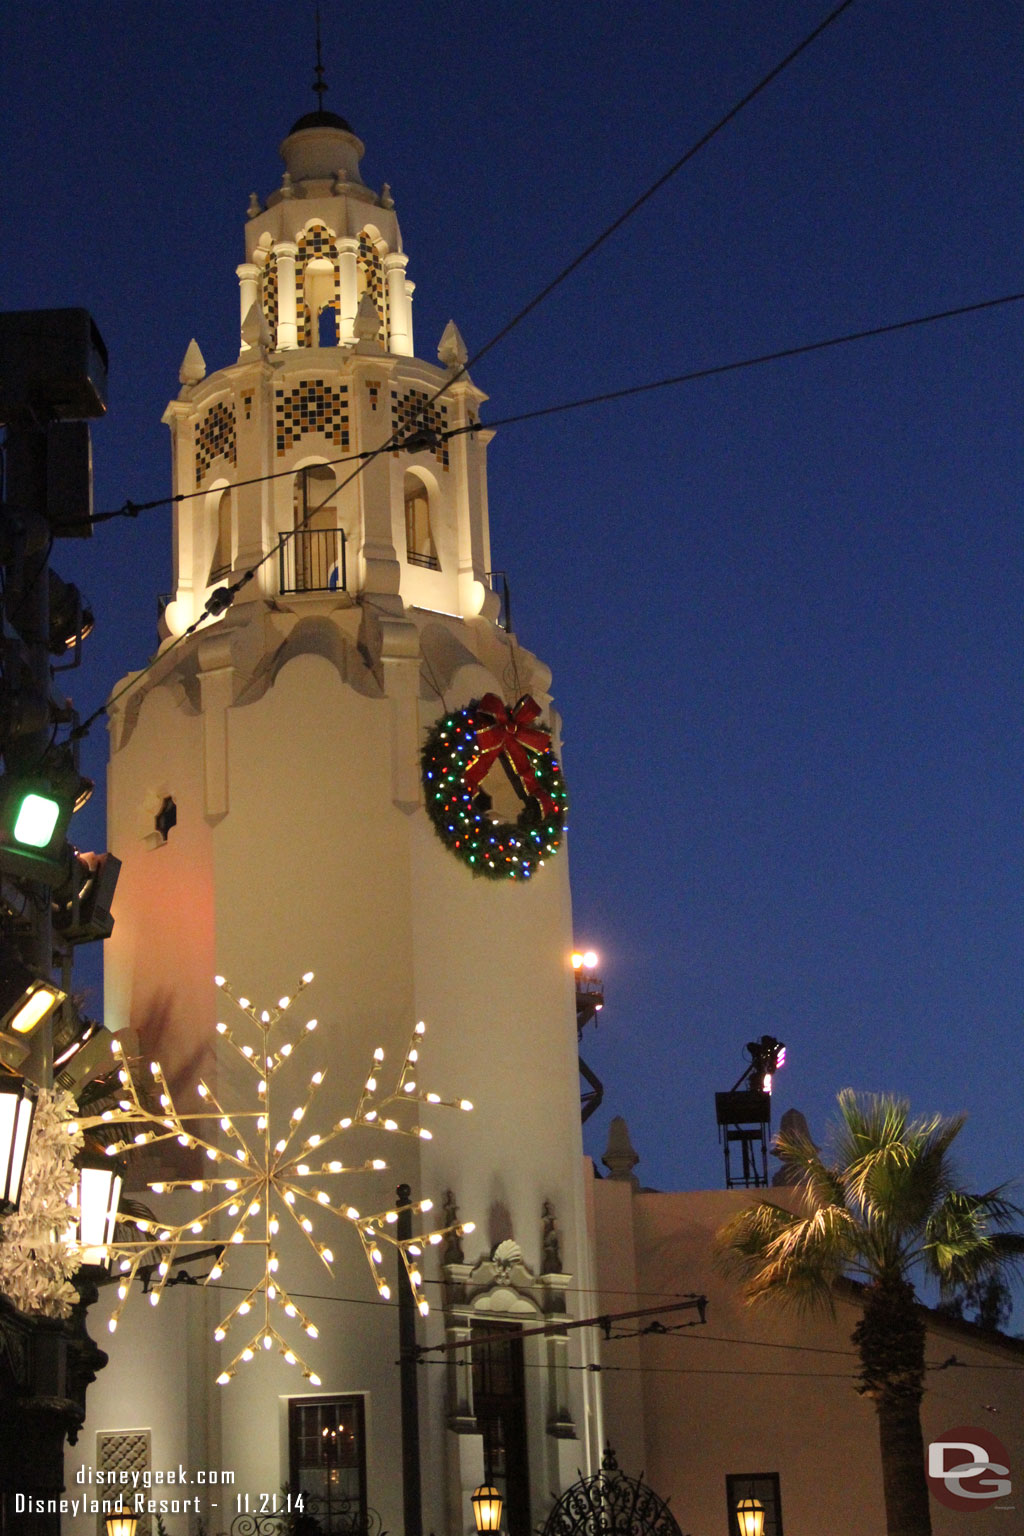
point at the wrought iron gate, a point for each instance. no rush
(610, 1503)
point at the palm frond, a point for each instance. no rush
(999, 1210)
(816, 1183)
(885, 1199)
(899, 1179)
(960, 1247)
(866, 1122)
(741, 1245)
(786, 1257)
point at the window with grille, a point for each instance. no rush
(315, 551)
(419, 539)
(763, 1486)
(327, 1463)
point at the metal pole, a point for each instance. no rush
(27, 604)
(412, 1497)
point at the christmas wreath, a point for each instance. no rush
(459, 753)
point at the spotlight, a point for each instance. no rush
(26, 1000)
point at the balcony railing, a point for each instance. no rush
(417, 557)
(313, 560)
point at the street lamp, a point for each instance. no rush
(750, 1514)
(99, 1190)
(121, 1521)
(486, 1502)
(17, 1111)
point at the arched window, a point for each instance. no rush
(316, 285)
(223, 550)
(370, 272)
(315, 552)
(419, 538)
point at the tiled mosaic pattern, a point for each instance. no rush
(317, 240)
(411, 410)
(269, 287)
(369, 265)
(123, 1451)
(247, 403)
(215, 437)
(373, 390)
(312, 406)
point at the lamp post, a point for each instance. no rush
(412, 1500)
(750, 1517)
(17, 1111)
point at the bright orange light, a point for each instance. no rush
(577, 961)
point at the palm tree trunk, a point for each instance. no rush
(891, 1339)
(905, 1488)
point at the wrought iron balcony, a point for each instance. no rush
(417, 557)
(313, 560)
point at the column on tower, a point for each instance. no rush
(348, 287)
(248, 293)
(287, 326)
(410, 289)
(399, 309)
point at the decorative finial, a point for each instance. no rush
(366, 325)
(193, 365)
(620, 1158)
(319, 83)
(255, 207)
(451, 349)
(255, 331)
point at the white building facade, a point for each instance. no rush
(269, 801)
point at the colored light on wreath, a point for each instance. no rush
(498, 850)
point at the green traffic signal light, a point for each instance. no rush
(34, 816)
(35, 820)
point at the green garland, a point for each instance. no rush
(504, 850)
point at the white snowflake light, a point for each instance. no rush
(267, 1167)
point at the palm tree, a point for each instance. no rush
(881, 1210)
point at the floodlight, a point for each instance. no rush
(26, 1000)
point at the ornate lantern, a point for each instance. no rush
(750, 1514)
(486, 1502)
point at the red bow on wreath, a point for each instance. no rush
(509, 733)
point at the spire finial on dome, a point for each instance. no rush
(321, 117)
(319, 83)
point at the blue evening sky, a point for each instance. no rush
(781, 607)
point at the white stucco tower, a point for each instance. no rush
(267, 799)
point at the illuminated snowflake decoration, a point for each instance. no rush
(265, 1175)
